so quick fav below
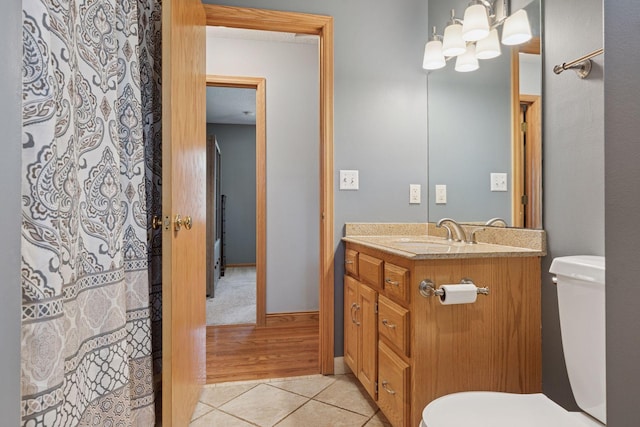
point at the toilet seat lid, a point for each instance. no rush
(493, 409)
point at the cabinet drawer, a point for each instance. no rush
(351, 262)
(396, 282)
(393, 383)
(393, 324)
(370, 270)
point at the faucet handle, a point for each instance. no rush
(472, 235)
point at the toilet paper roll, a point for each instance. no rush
(458, 294)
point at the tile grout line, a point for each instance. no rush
(292, 412)
(272, 383)
(212, 408)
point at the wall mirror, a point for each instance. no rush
(485, 130)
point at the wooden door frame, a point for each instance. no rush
(322, 26)
(259, 84)
(533, 161)
(517, 153)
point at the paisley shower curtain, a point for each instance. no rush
(90, 182)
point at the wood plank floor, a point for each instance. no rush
(247, 352)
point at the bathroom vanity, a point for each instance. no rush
(408, 349)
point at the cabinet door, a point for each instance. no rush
(368, 356)
(394, 380)
(351, 328)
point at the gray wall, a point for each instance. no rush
(573, 168)
(469, 132)
(380, 111)
(292, 113)
(238, 181)
(622, 204)
(10, 120)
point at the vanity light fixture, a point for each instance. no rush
(488, 47)
(477, 33)
(452, 42)
(516, 29)
(433, 56)
(467, 61)
(475, 24)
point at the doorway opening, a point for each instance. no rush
(236, 221)
(322, 26)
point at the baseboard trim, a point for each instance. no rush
(285, 319)
(240, 265)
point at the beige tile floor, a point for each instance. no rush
(311, 401)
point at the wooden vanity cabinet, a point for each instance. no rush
(408, 350)
(360, 335)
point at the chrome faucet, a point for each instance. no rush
(472, 237)
(460, 234)
(495, 221)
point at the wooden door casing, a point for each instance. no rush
(259, 85)
(183, 193)
(303, 23)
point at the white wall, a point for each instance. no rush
(530, 74)
(292, 91)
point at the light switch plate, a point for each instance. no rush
(441, 194)
(498, 182)
(349, 180)
(414, 194)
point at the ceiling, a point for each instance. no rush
(229, 105)
(235, 105)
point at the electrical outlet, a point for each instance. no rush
(441, 194)
(349, 180)
(498, 182)
(414, 194)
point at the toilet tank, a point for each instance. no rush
(581, 302)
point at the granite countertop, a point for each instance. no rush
(423, 242)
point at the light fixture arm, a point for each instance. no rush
(453, 20)
(434, 35)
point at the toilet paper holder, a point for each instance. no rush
(428, 289)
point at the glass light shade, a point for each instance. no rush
(467, 61)
(516, 29)
(488, 47)
(433, 56)
(476, 23)
(452, 43)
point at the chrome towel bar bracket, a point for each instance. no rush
(582, 65)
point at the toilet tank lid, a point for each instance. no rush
(589, 268)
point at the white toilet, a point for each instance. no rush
(581, 304)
